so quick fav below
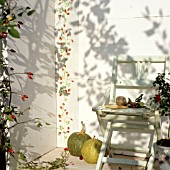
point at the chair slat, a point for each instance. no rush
(153, 59)
(124, 161)
(132, 127)
(134, 83)
(129, 148)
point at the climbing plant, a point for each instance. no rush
(64, 43)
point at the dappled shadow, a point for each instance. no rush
(35, 53)
(159, 32)
(163, 44)
(101, 43)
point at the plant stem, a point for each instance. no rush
(22, 122)
(2, 160)
(169, 127)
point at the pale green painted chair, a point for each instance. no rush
(138, 120)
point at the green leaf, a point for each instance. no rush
(68, 3)
(9, 146)
(12, 25)
(141, 104)
(47, 123)
(2, 2)
(7, 110)
(39, 124)
(22, 156)
(14, 33)
(3, 29)
(61, 9)
(64, 93)
(62, 88)
(65, 59)
(61, 127)
(1, 22)
(30, 12)
(9, 118)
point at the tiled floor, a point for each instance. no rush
(76, 164)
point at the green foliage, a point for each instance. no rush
(55, 164)
(9, 18)
(3, 28)
(9, 26)
(161, 100)
(14, 33)
(2, 2)
(9, 118)
(64, 42)
(7, 110)
(22, 156)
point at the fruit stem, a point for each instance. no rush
(83, 127)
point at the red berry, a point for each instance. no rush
(13, 117)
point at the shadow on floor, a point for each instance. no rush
(76, 164)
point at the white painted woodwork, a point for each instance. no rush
(124, 161)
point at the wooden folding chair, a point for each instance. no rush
(138, 120)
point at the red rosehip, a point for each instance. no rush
(4, 34)
(24, 97)
(158, 98)
(13, 117)
(66, 149)
(10, 150)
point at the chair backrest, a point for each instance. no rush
(142, 72)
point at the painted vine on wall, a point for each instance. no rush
(64, 54)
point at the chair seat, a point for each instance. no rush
(144, 112)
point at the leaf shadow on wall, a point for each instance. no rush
(99, 41)
(104, 42)
(158, 31)
(35, 53)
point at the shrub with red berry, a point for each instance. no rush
(161, 100)
(10, 25)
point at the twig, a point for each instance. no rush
(22, 123)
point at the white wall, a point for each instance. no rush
(104, 28)
(101, 29)
(36, 53)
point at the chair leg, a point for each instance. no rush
(106, 138)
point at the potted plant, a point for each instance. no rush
(161, 102)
